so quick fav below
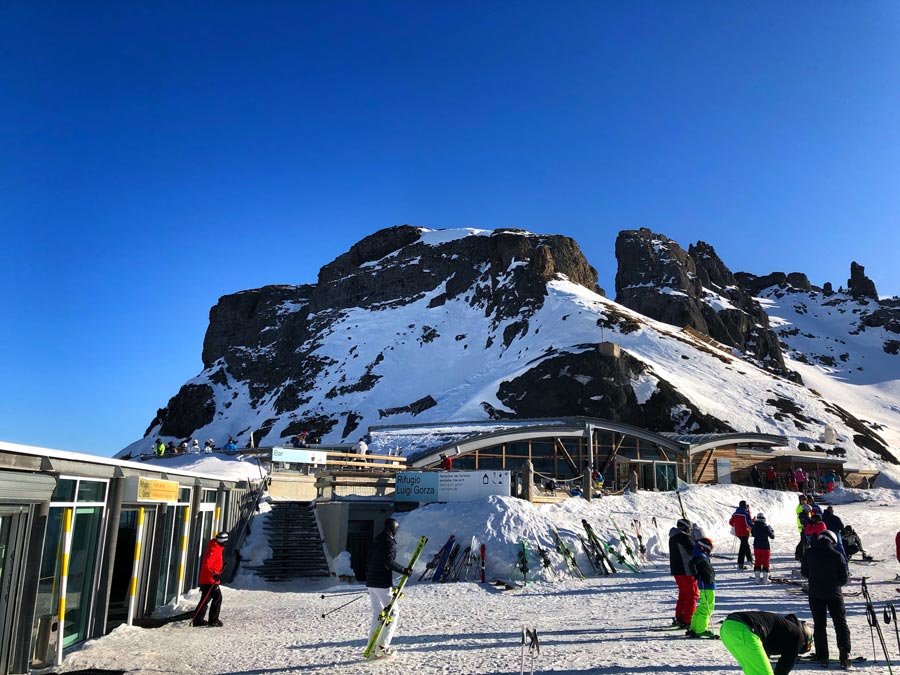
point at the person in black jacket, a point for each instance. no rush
(826, 570)
(752, 636)
(681, 548)
(380, 579)
(762, 550)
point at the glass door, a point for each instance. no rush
(12, 525)
(666, 476)
(82, 559)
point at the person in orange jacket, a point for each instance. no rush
(211, 567)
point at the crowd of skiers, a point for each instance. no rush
(795, 480)
(189, 446)
(825, 547)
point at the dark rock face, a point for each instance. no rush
(191, 408)
(590, 383)
(753, 284)
(859, 285)
(657, 278)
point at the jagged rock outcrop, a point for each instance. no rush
(859, 285)
(266, 341)
(753, 284)
(657, 278)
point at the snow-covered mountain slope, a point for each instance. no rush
(414, 326)
(842, 352)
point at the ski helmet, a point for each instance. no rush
(683, 524)
(761, 516)
(705, 544)
(831, 535)
(391, 525)
(222, 538)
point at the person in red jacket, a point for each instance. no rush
(741, 522)
(210, 577)
(446, 462)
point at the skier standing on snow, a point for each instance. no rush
(742, 522)
(379, 580)
(826, 570)
(762, 552)
(705, 577)
(681, 547)
(771, 478)
(211, 567)
(752, 636)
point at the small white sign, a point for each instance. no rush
(298, 456)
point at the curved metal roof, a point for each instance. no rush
(423, 443)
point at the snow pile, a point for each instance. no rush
(228, 467)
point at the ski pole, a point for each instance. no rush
(332, 611)
(202, 602)
(892, 616)
(337, 595)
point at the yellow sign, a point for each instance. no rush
(152, 490)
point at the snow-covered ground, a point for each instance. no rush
(599, 625)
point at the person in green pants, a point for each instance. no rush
(703, 572)
(752, 636)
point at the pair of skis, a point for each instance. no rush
(567, 555)
(387, 614)
(597, 551)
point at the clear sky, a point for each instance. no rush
(156, 156)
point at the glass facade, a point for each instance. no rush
(564, 459)
(80, 503)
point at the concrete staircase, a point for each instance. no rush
(297, 548)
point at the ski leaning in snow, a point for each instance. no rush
(598, 547)
(522, 561)
(447, 567)
(625, 543)
(437, 568)
(482, 562)
(567, 554)
(890, 614)
(428, 572)
(546, 562)
(387, 614)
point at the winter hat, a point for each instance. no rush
(831, 535)
(222, 538)
(761, 516)
(705, 544)
(683, 524)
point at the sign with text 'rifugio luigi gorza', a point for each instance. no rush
(450, 486)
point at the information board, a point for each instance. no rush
(450, 486)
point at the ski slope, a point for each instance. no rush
(599, 625)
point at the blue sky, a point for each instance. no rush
(154, 157)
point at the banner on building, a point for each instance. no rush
(139, 489)
(450, 486)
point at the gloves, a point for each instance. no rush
(217, 578)
(407, 571)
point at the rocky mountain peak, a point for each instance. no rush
(657, 278)
(859, 285)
